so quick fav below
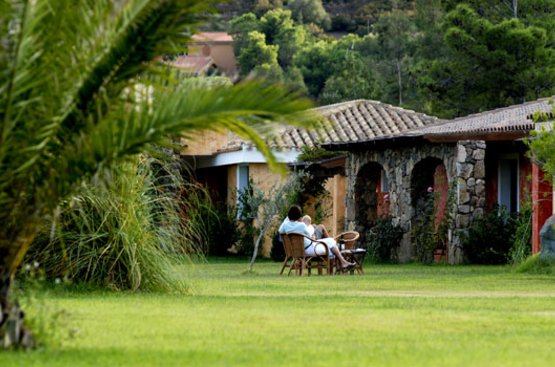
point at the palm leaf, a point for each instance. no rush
(65, 110)
(239, 109)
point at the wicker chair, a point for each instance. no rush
(293, 244)
(347, 242)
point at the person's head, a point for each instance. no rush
(307, 220)
(294, 213)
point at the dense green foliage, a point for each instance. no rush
(536, 265)
(316, 153)
(122, 235)
(444, 57)
(72, 105)
(521, 240)
(489, 64)
(220, 225)
(77, 99)
(542, 144)
(426, 234)
(383, 240)
(489, 238)
(309, 11)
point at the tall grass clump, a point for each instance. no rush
(536, 265)
(125, 234)
(522, 238)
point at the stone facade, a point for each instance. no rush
(471, 190)
(464, 165)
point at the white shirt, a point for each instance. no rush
(311, 230)
(289, 226)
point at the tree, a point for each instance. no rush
(369, 13)
(542, 144)
(494, 10)
(323, 60)
(347, 86)
(355, 81)
(257, 53)
(310, 11)
(395, 32)
(537, 13)
(489, 65)
(71, 105)
(280, 30)
(263, 6)
(312, 61)
(429, 43)
(265, 206)
(240, 28)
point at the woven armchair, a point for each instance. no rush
(296, 258)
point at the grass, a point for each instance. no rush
(406, 315)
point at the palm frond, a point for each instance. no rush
(144, 29)
(64, 112)
(126, 132)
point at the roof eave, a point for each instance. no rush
(477, 135)
(383, 142)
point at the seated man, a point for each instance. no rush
(294, 223)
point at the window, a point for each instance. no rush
(242, 183)
(508, 189)
(384, 183)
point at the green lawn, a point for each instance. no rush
(406, 315)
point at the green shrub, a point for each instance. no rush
(124, 235)
(316, 153)
(51, 325)
(488, 239)
(535, 265)
(249, 201)
(383, 239)
(522, 238)
(424, 232)
(221, 230)
(278, 251)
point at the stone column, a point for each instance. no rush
(470, 192)
(351, 171)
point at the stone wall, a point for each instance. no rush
(465, 166)
(471, 191)
(398, 165)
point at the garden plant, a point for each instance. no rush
(75, 100)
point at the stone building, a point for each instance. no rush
(392, 158)
(207, 53)
(479, 160)
(225, 164)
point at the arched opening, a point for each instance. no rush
(429, 197)
(371, 196)
(429, 176)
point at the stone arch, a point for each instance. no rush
(429, 177)
(371, 188)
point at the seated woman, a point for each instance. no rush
(294, 223)
(318, 231)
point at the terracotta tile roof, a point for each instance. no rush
(502, 120)
(193, 64)
(212, 37)
(351, 121)
(361, 121)
(507, 121)
(354, 121)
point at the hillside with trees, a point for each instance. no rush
(443, 57)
